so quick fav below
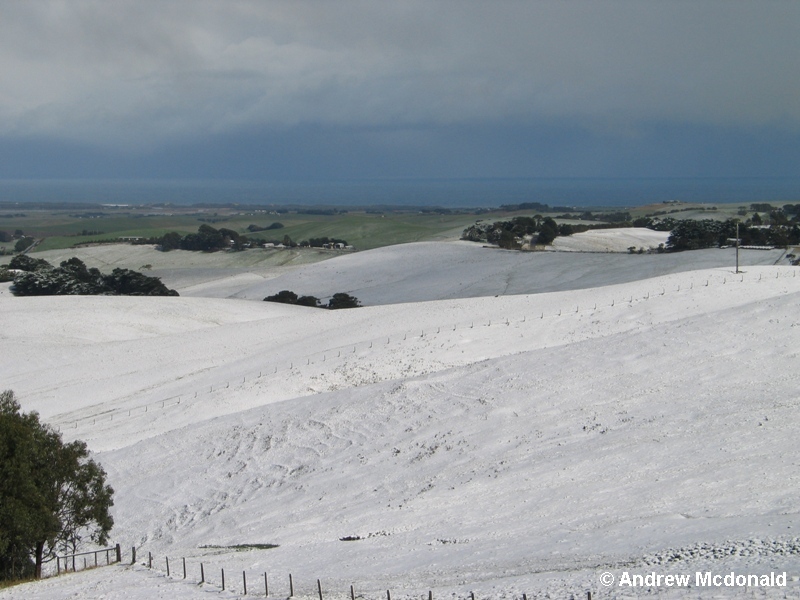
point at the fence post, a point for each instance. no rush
(202, 574)
(430, 595)
(133, 555)
(167, 559)
(223, 579)
(119, 553)
(266, 586)
(319, 589)
(388, 595)
(244, 582)
(108, 560)
(184, 568)
(291, 586)
(352, 593)
(58, 565)
(95, 558)
(73, 563)
(149, 560)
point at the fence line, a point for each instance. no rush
(66, 558)
(266, 590)
(343, 351)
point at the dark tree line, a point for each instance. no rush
(707, 233)
(209, 239)
(543, 230)
(337, 301)
(73, 278)
(253, 228)
(52, 495)
(780, 227)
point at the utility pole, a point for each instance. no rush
(737, 248)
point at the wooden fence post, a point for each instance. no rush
(202, 574)
(223, 579)
(352, 593)
(58, 565)
(167, 559)
(319, 589)
(149, 560)
(133, 555)
(244, 582)
(388, 595)
(291, 586)
(266, 586)
(119, 553)
(430, 595)
(184, 568)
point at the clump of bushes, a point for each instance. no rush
(73, 278)
(337, 301)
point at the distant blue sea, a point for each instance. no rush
(460, 193)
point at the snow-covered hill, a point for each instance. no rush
(439, 271)
(501, 445)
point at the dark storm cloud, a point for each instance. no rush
(146, 76)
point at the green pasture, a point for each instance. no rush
(65, 228)
(363, 230)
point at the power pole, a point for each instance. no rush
(737, 247)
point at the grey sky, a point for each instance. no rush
(390, 76)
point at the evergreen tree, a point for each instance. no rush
(342, 300)
(52, 495)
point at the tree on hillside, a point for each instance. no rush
(170, 241)
(23, 262)
(311, 301)
(23, 244)
(342, 300)
(547, 232)
(52, 495)
(284, 297)
(73, 277)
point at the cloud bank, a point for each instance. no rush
(141, 76)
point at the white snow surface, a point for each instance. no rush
(447, 270)
(501, 445)
(611, 240)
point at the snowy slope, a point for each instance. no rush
(437, 271)
(611, 240)
(503, 445)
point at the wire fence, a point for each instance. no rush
(265, 585)
(80, 561)
(342, 353)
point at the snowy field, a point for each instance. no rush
(414, 272)
(438, 271)
(611, 240)
(525, 443)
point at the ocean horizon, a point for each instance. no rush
(444, 193)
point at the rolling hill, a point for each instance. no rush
(524, 443)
